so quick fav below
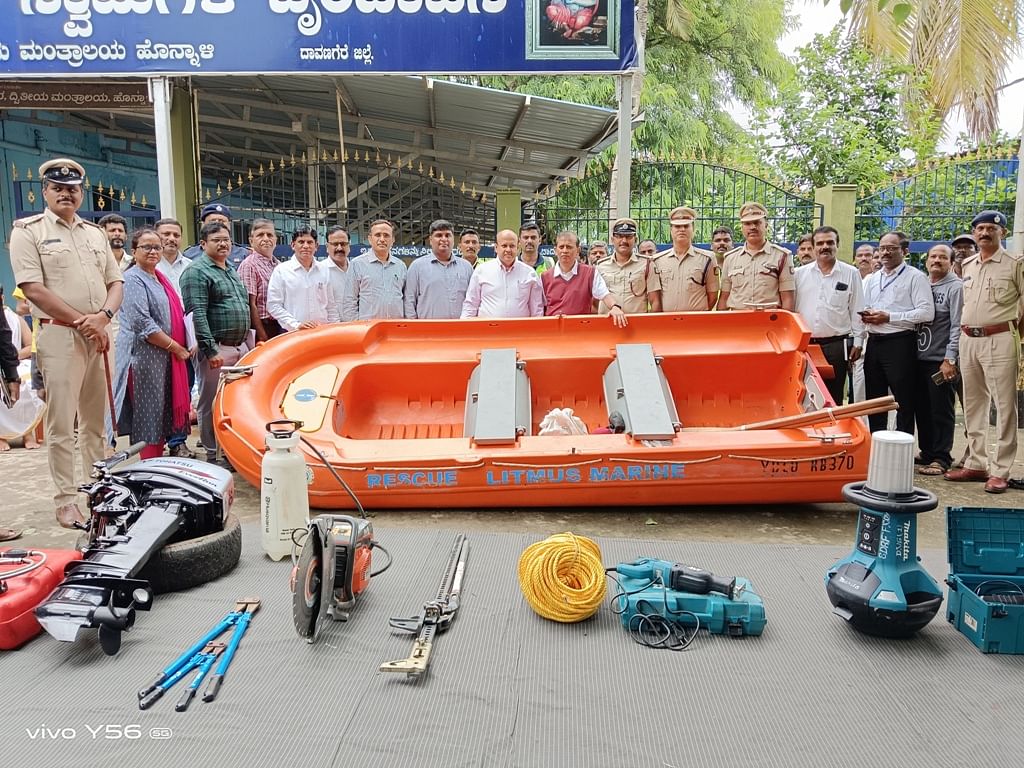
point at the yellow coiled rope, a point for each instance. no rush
(562, 577)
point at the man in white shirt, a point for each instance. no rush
(337, 262)
(299, 294)
(172, 263)
(897, 299)
(828, 297)
(504, 287)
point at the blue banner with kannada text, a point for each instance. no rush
(180, 37)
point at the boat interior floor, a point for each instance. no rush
(501, 397)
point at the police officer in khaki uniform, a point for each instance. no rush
(989, 352)
(689, 276)
(629, 276)
(757, 272)
(65, 268)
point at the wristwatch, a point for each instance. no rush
(108, 313)
(950, 361)
(616, 306)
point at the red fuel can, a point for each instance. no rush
(27, 576)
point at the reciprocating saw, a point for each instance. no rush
(684, 595)
(679, 577)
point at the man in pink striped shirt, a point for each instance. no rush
(255, 271)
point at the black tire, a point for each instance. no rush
(187, 564)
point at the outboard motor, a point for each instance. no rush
(134, 511)
(881, 587)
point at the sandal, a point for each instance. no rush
(933, 469)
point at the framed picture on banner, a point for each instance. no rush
(572, 29)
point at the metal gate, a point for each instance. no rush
(312, 190)
(714, 191)
(938, 202)
(98, 200)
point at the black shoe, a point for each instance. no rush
(222, 462)
(1016, 483)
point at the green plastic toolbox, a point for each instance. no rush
(986, 576)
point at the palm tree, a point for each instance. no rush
(959, 50)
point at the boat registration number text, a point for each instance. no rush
(827, 464)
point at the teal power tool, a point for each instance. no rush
(654, 595)
(881, 588)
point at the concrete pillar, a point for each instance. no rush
(176, 151)
(508, 210)
(185, 140)
(624, 155)
(840, 204)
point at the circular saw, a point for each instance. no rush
(332, 570)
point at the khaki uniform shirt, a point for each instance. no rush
(687, 280)
(993, 290)
(74, 261)
(629, 283)
(758, 277)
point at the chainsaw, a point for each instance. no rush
(332, 570)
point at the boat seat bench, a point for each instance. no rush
(636, 388)
(498, 401)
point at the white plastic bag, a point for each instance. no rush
(561, 421)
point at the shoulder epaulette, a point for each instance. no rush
(21, 223)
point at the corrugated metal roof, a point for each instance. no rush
(417, 147)
(487, 138)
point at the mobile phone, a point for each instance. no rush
(939, 378)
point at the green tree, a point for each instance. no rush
(964, 50)
(699, 58)
(840, 118)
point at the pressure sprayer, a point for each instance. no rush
(284, 504)
(881, 588)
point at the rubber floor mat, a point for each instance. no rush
(507, 688)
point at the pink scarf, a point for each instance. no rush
(181, 399)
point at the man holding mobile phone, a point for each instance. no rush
(938, 345)
(898, 299)
(828, 297)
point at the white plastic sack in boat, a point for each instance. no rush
(561, 421)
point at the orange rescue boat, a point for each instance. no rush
(424, 413)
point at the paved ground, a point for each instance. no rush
(28, 505)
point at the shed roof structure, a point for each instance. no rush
(408, 148)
